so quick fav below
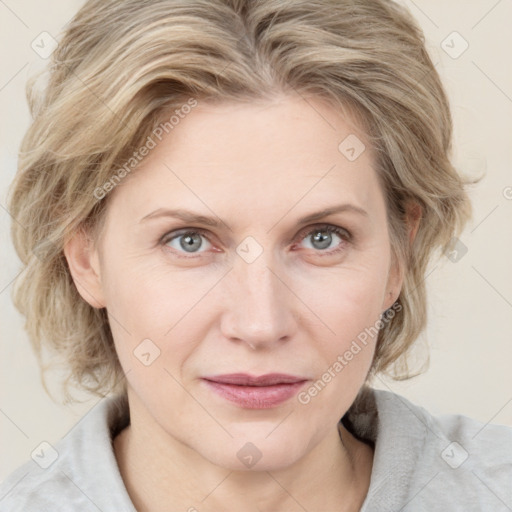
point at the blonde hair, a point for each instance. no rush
(123, 66)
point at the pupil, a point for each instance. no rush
(190, 242)
(324, 241)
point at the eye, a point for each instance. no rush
(188, 241)
(322, 238)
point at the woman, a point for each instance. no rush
(226, 210)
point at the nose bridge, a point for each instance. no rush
(259, 282)
(260, 305)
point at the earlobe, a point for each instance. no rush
(83, 263)
(394, 283)
(391, 297)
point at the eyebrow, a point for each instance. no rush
(184, 215)
(192, 217)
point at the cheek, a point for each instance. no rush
(347, 298)
(152, 297)
(351, 309)
(349, 302)
(155, 310)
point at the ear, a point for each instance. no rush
(83, 261)
(394, 284)
(413, 217)
(396, 272)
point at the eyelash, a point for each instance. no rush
(329, 228)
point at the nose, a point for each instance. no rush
(259, 308)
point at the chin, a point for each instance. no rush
(258, 452)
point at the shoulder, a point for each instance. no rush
(424, 461)
(457, 425)
(466, 437)
(79, 473)
(31, 488)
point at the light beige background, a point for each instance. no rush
(469, 332)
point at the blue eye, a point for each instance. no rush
(321, 237)
(191, 241)
(186, 241)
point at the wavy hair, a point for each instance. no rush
(120, 68)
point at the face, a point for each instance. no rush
(241, 281)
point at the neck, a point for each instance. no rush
(161, 473)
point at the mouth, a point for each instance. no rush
(255, 392)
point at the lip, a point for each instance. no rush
(255, 392)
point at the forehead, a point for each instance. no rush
(286, 153)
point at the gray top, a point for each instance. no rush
(421, 462)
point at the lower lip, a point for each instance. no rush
(256, 397)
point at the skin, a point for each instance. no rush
(257, 168)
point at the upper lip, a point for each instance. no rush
(244, 379)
